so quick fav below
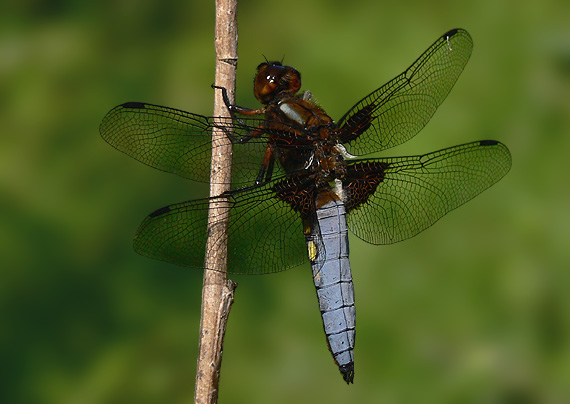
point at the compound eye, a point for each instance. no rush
(270, 80)
(269, 87)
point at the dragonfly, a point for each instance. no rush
(301, 180)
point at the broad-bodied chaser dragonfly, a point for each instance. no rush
(298, 185)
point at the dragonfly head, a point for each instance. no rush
(274, 80)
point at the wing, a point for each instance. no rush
(180, 142)
(398, 110)
(392, 199)
(265, 234)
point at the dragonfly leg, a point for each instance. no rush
(266, 170)
(270, 166)
(237, 109)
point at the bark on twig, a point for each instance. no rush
(218, 290)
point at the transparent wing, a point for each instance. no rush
(398, 110)
(181, 142)
(412, 193)
(265, 234)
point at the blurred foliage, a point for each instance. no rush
(475, 309)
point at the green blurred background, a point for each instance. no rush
(474, 310)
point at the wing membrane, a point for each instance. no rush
(265, 234)
(398, 110)
(180, 142)
(417, 191)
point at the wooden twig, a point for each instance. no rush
(218, 290)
